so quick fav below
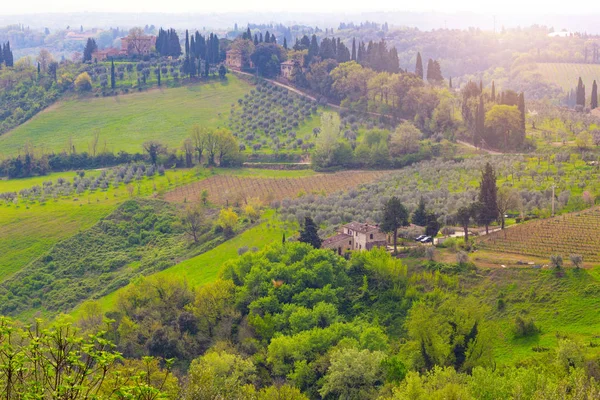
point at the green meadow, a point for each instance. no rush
(125, 122)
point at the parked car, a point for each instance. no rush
(426, 239)
(418, 238)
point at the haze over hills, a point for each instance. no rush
(422, 20)
(299, 204)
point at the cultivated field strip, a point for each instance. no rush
(566, 75)
(574, 233)
(233, 190)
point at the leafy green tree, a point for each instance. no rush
(83, 82)
(310, 233)
(405, 139)
(504, 127)
(488, 197)
(213, 304)
(220, 375)
(153, 148)
(463, 217)
(192, 220)
(267, 57)
(394, 217)
(58, 361)
(354, 374)
(448, 331)
(228, 220)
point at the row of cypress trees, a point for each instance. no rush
(6, 55)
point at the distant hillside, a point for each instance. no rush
(566, 74)
(125, 122)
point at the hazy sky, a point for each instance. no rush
(202, 6)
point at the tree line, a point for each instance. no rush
(6, 55)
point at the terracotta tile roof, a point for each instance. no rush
(364, 228)
(336, 238)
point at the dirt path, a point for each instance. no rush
(492, 152)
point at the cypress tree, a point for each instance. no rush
(255, 39)
(521, 107)
(419, 66)
(594, 102)
(39, 69)
(158, 75)
(285, 47)
(450, 84)
(353, 57)
(479, 123)
(310, 233)
(273, 38)
(419, 217)
(8, 55)
(187, 43)
(429, 69)
(112, 75)
(260, 37)
(313, 49)
(493, 92)
(488, 200)
(580, 92)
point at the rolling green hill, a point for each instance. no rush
(125, 122)
(566, 74)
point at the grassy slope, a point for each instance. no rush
(566, 74)
(561, 306)
(205, 267)
(30, 229)
(125, 122)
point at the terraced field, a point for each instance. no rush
(573, 233)
(232, 190)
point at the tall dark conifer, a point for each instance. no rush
(493, 97)
(112, 75)
(521, 106)
(187, 43)
(353, 56)
(580, 93)
(594, 101)
(479, 123)
(285, 43)
(488, 197)
(310, 233)
(419, 66)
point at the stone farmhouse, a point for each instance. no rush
(142, 45)
(102, 55)
(286, 69)
(356, 236)
(234, 59)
